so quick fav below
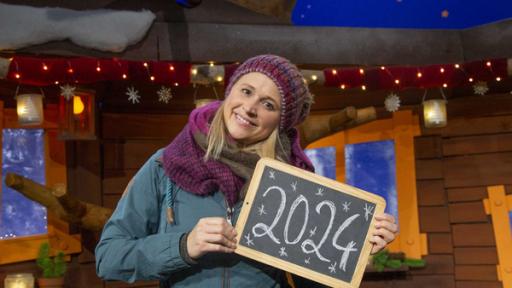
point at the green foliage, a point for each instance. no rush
(382, 260)
(52, 267)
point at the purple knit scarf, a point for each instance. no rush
(184, 164)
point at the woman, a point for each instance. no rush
(175, 219)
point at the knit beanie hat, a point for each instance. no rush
(295, 97)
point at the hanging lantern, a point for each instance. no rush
(77, 116)
(29, 108)
(434, 112)
(22, 280)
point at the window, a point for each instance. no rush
(324, 161)
(400, 130)
(23, 154)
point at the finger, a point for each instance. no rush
(378, 244)
(215, 221)
(210, 247)
(392, 227)
(227, 231)
(219, 239)
(385, 217)
(385, 234)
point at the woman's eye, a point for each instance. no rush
(246, 91)
(268, 105)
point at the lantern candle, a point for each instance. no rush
(22, 280)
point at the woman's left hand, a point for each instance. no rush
(384, 232)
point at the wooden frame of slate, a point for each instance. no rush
(307, 224)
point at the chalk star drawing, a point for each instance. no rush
(307, 260)
(320, 192)
(312, 232)
(271, 174)
(248, 240)
(282, 252)
(294, 186)
(332, 267)
(368, 210)
(261, 210)
(345, 206)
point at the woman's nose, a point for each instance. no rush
(250, 110)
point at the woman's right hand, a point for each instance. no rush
(211, 234)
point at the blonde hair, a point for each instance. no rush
(217, 135)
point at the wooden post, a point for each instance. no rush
(498, 205)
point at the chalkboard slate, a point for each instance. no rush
(307, 224)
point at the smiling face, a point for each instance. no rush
(252, 109)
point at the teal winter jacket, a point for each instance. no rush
(138, 243)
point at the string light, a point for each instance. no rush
(70, 70)
(171, 67)
(334, 72)
(219, 79)
(470, 79)
(488, 63)
(145, 64)
(56, 82)
(194, 71)
(382, 68)
(361, 71)
(397, 81)
(445, 85)
(342, 86)
(152, 78)
(124, 76)
(419, 75)
(363, 87)
(441, 70)
(98, 69)
(314, 77)
(457, 66)
(45, 68)
(498, 79)
(176, 84)
(212, 63)
(17, 75)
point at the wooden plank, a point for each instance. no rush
(478, 170)
(473, 126)
(436, 265)
(114, 182)
(465, 104)
(142, 126)
(110, 200)
(466, 194)
(130, 154)
(477, 144)
(465, 235)
(476, 272)
(439, 243)
(416, 281)
(434, 219)
(467, 212)
(475, 255)
(427, 147)
(429, 169)
(431, 192)
(82, 275)
(478, 284)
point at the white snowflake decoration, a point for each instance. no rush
(392, 102)
(133, 95)
(480, 88)
(67, 91)
(164, 94)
